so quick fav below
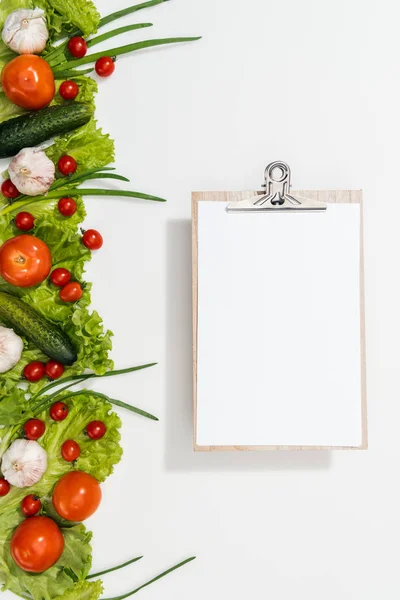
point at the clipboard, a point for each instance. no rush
(270, 208)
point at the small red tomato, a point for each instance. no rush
(31, 505)
(8, 189)
(54, 369)
(71, 292)
(60, 277)
(69, 90)
(67, 206)
(34, 429)
(92, 239)
(70, 450)
(96, 430)
(77, 47)
(34, 371)
(59, 411)
(67, 165)
(24, 221)
(105, 66)
(4, 487)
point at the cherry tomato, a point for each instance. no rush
(67, 165)
(24, 221)
(34, 429)
(71, 292)
(70, 450)
(37, 544)
(8, 189)
(4, 487)
(59, 411)
(31, 505)
(60, 277)
(96, 430)
(25, 260)
(34, 371)
(28, 81)
(67, 206)
(105, 66)
(77, 496)
(69, 90)
(54, 369)
(92, 239)
(77, 46)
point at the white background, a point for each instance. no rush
(314, 83)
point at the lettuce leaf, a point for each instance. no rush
(97, 458)
(75, 14)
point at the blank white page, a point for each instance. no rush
(279, 349)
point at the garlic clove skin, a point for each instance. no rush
(25, 31)
(11, 346)
(32, 172)
(24, 463)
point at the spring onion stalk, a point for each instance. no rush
(70, 74)
(125, 564)
(110, 34)
(47, 400)
(86, 376)
(73, 192)
(129, 407)
(62, 181)
(118, 51)
(135, 591)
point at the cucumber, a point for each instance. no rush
(45, 335)
(36, 127)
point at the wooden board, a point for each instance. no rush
(328, 196)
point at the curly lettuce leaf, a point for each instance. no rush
(84, 590)
(97, 458)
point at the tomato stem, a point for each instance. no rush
(178, 566)
(125, 564)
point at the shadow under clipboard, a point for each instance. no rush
(179, 454)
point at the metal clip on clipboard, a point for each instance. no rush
(277, 197)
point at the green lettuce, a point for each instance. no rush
(84, 590)
(97, 458)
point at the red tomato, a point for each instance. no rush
(28, 81)
(105, 66)
(60, 277)
(67, 165)
(96, 430)
(37, 544)
(92, 239)
(25, 261)
(71, 292)
(70, 450)
(31, 505)
(4, 487)
(59, 411)
(24, 221)
(77, 46)
(8, 189)
(77, 496)
(69, 90)
(54, 369)
(34, 371)
(67, 206)
(34, 429)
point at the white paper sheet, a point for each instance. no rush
(279, 327)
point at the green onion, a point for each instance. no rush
(185, 562)
(110, 34)
(77, 177)
(71, 74)
(128, 11)
(125, 564)
(55, 194)
(121, 50)
(84, 377)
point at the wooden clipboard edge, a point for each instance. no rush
(332, 196)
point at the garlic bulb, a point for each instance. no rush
(24, 463)
(11, 346)
(32, 172)
(25, 31)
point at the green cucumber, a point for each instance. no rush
(45, 335)
(36, 127)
